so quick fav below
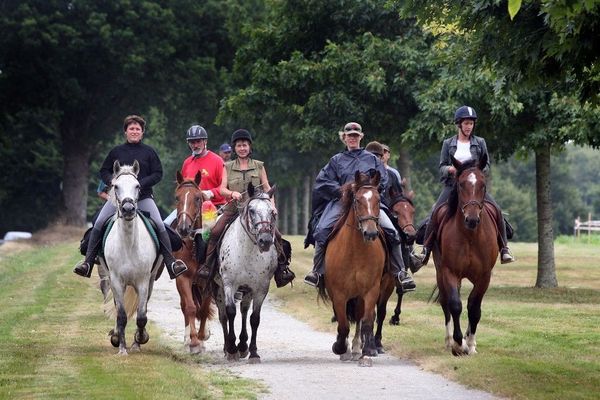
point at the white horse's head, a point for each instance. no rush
(126, 189)
(260, 218)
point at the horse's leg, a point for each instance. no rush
(202, 315)
(118, 336)
(386, 290)
(454, 306)
(141, 336)
(219, 299)
(356, 342)
(474, 313)
(254, 323)
(367, 319)
(230, 310)
(188, 308)
(340, 346)
(395, 320)
(243, 339)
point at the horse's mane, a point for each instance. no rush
(453, 198)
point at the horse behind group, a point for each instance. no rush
(354, 264)
(248, 260)
(196, 303)
(466, 247)
(131, 258)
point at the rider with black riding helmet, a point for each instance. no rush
(340, 170)
(464, 147)
(149, 175)
(237, 174)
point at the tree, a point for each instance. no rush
(87, 64)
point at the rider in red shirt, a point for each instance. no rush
(209, 164)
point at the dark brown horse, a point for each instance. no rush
(354, 262)
(404, 211)
(466, 247)
(196, 303)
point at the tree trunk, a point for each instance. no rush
(284, 204)
(306, 192)
(76, 167)
(405, 166)
(546, 276)
(293, 210)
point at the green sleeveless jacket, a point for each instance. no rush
(237, 179)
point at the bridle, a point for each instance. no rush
(185, 213)
(118, 201)
(477, 203)
(263, 226)
(362, 218)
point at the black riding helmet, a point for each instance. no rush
(196, 132)
(240, 134)
(464, 112)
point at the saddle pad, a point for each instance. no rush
(147, 222)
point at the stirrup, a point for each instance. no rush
(283, 276)
(505, 256)
(203, 272)
(177, 268)
(405, 281)
(312, 279)
(83, 269)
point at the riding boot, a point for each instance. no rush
(205, 269)
(283, 274)
(318, 270)
(174, 267)
(506, 256)
(398, 270)
(84, 268)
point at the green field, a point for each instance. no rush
(532, 343)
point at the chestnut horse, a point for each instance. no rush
(404, 212)
(196, 303)
(466, 247)
(354, 263)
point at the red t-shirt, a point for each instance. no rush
(211, 169)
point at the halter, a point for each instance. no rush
(117, 200)
(477, 203)
(361, 219)
(261, 226)
(188, 215)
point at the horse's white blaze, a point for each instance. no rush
(367, 196)
(185, 202)
(472, 178)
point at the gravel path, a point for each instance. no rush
(297, 362)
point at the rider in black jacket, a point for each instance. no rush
(150, 174)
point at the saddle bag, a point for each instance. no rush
(176, 242)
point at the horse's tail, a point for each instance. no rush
(199, 297)
(351, 306)
(130, 303)
(322, 292)
(435, 292)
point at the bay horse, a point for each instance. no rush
(466, 247)
(354, 264)
(404, 211)
(248, 260)
(131, 258)
(195, 302)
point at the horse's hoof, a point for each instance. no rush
(254, 360)
(337, 349)
(380, 350)
(243, 354)
(135, 348)
(233, 356)
(122, 352)
(395, 321)
(197, 349)
(346, 356)
(114, 340)
(370, 352)
(356, 356)
(365, 362)
(141, 338)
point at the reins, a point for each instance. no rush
(363, 218)
(184, 213)
(265, 229)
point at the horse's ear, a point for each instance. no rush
(116, 167)
(457, 164)
(272, 190)
(410, 195)
(403, 183)
(179, 177)
(198, 178)
(376, 178)
(250, 190)
(136, 167)
(483, 161)
(357, 177)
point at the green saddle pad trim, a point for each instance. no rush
(147, 222)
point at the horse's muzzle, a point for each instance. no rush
(369, 235)
(128, 209)
(472, 222)
(264, 242)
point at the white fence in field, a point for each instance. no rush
(586, 226)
